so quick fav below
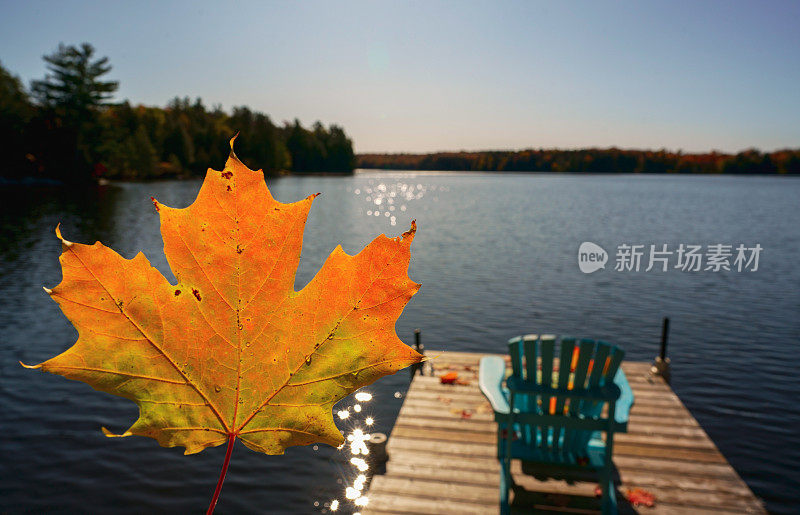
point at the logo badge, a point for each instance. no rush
(591, 257)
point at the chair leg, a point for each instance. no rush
(609, 500)
(505, 486)
(505, 474)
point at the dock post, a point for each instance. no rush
(377, 448)
(661, 364)
(421, 349)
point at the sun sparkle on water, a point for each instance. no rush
(358, 440)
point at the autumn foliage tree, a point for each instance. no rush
(592, 160)
(70, 97)
(16, 112)
(69, 128)
(73, 87)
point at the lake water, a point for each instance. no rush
(496, 256)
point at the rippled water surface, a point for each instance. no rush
(497, 257)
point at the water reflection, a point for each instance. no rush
(388, 198)
(355, 447)
(25, 213)
(520, 275)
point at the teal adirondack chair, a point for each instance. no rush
(551, 411)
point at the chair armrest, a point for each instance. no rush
(625, 401)
(491, 374)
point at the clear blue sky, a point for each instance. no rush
(426, 76)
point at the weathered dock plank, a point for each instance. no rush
(442, 455)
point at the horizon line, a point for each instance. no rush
(584, 148)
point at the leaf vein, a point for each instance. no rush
(191, 253)
(163, 352)
(119, 373)
(286, 382)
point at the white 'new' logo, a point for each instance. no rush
(591, 257)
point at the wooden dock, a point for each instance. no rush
(442, 455)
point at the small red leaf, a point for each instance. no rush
(640, 497)
(449, 378)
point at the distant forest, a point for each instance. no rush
(592, 160)
(65, 128)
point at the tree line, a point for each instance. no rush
(592, 160)
(66, 127)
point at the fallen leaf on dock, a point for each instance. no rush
(462, 412)
(484, 408)
(449, 378)
(640, 497)
(446, 400)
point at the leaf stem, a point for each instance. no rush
(228, 452)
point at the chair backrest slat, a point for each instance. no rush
(531, 359)
(547, 343)
(565, 361)
(529, 344)
(598, 364)
(584, 358)
(593, 409)
(514, 347)
(582, 365)
(567, 348)
(613, 364)
(581, 362)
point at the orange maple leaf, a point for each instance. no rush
(233, 351)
